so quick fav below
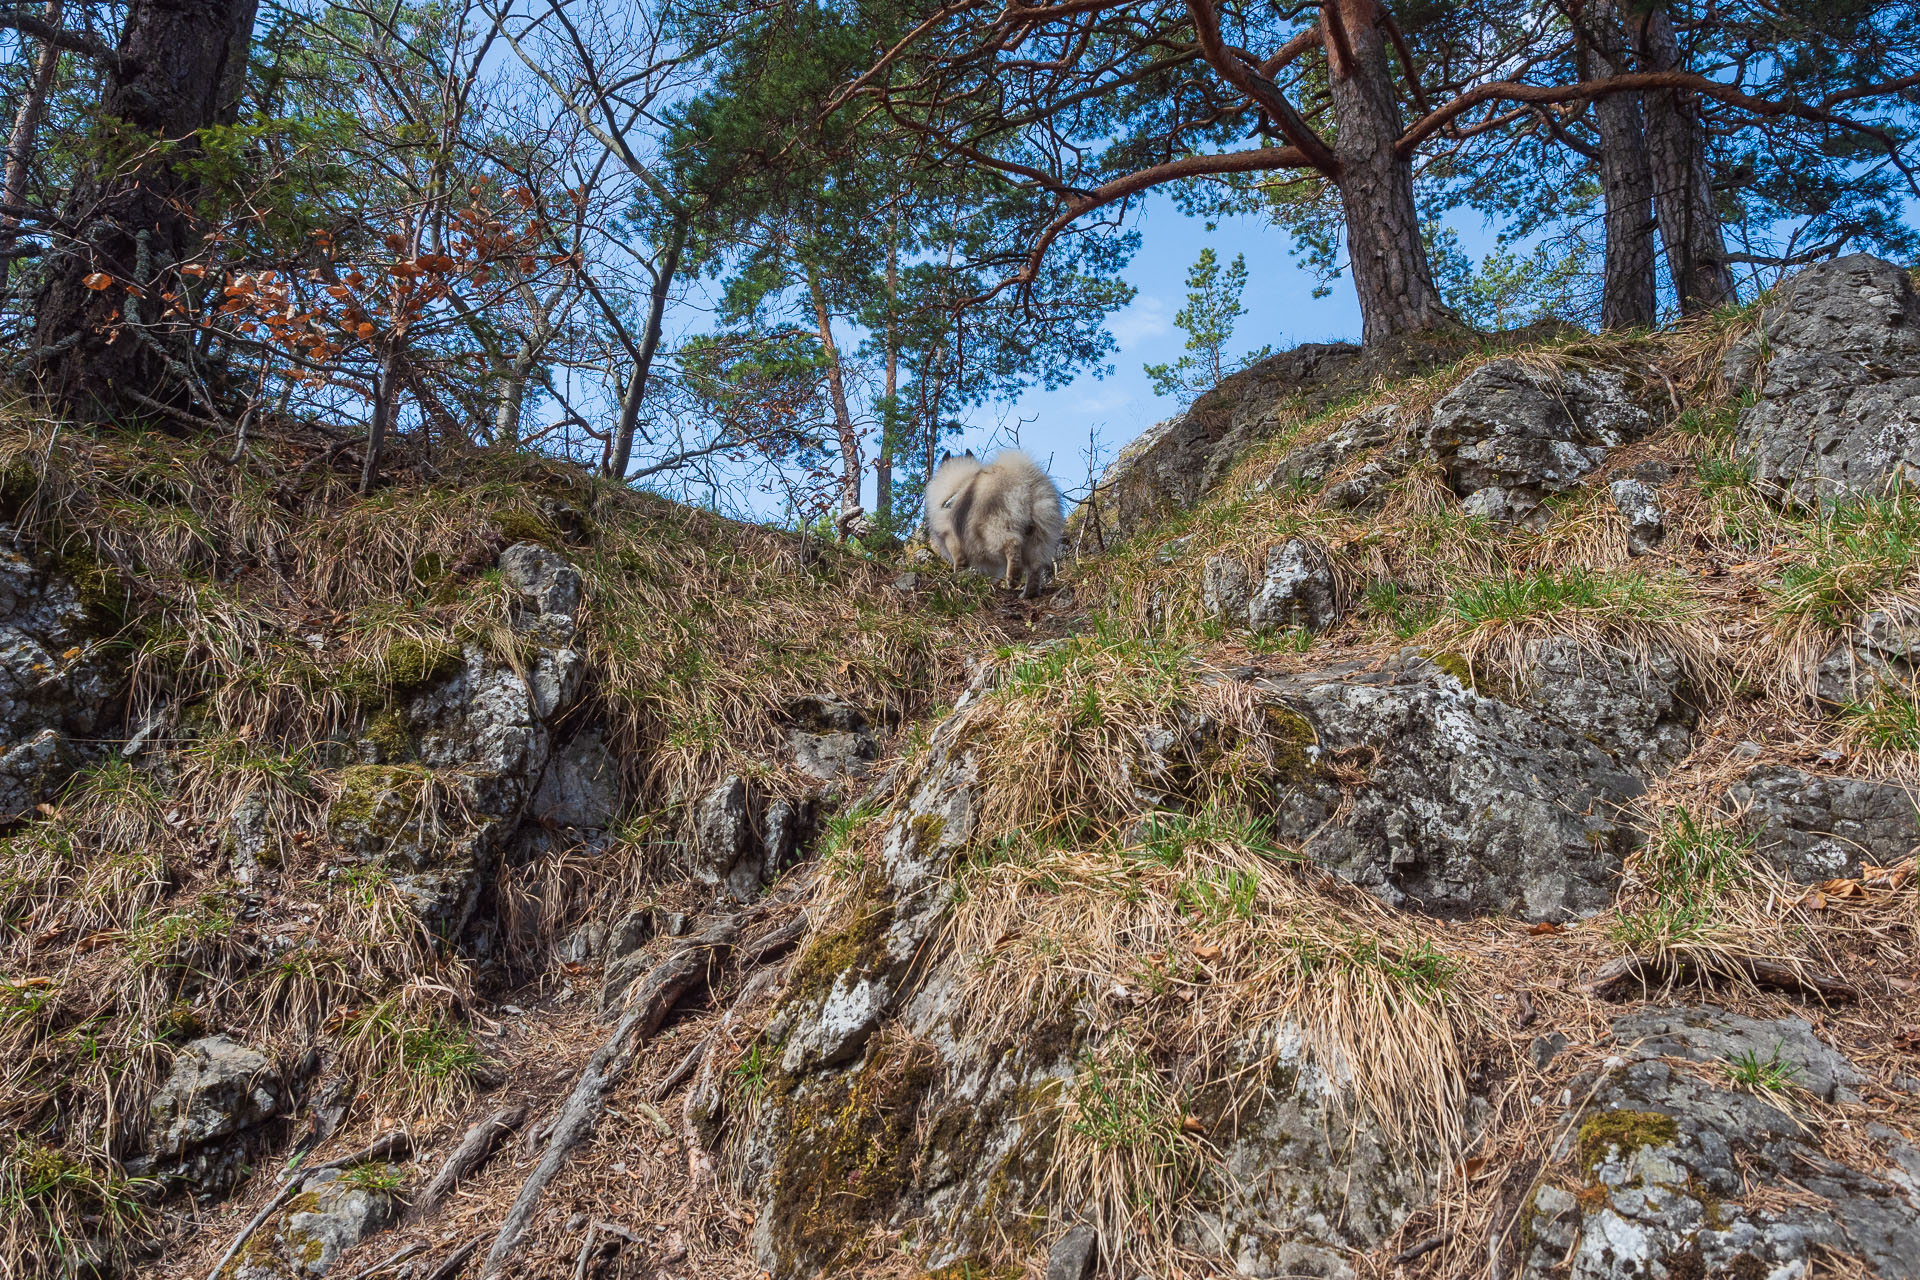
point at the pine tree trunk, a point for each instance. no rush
(1690, 227)
(1628, 297)
(26, 127)
(1391, 273)
(890, 424)
(171, 80)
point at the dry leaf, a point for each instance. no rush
(1191, 1124)
(97, 281)
(1207, 951)
(1544, 927)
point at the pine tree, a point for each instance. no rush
(1213, 307)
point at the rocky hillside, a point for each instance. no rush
(1455, 818)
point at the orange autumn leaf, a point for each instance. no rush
(97, 281)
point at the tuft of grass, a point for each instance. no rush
(1890, 721)
(1544, 592)
(1763, 1075)
(1404, 612)
(1859, 555)
(1686, 874)
(63, 1215)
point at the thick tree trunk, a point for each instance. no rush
(26, 127)
(1391, 273)
(1628, 297)
(171, 80)
(852, 463)
(1690, 227)
(622, 454)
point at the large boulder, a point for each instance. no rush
(1457, 803)
(1834, 362)
(56, 689)
(1815, 828)
(1680, 1126)
(217, 1092)
(1296, 589)
(1512, 432)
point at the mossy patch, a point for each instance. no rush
(1623, 1132)
(525, 526)
(856, 947)
(845, 1156)
(379, 800)
(106, 604)
(391, 740)
(1293, 741)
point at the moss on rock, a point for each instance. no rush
(846, 1156)
(1624, 1132)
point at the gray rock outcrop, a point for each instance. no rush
(1817, 828)
(1835, 363)
(333, 1211)
(1512, 433)
(1635, 710)
(1468, 804)
(1666, 1154)
(479, 738)
(1639, 506)
(56, 691)
(217, 1091)
(1296, 589)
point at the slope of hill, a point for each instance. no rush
(1462, 827)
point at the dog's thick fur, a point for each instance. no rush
(1002, 518)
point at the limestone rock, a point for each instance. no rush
(217, 1091)
(1636, 712)
(1075, 1255)
(1225, 587)
(1515, 433)
(548, 584)
(1468, 804)
(481, 741)
(1309, 1181)
(1639, 505)
(55, 688)
(333, 1211)
(725, 851)
(1171, 466)
(580, 787)
(1296, 590)
(830, 739)
(1835, 358)
(1665, 1158)
(1814, 828)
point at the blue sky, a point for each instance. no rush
(1053, 426)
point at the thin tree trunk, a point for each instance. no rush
(1628, 297)
(168, 83)
(26, 127)
(622, 455)
(1690, 228)
(513, 398)
(383, 398)
(890, 424)
(852, 464)
(1391, 273)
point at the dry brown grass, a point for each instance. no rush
(270, 616)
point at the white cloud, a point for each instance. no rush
(1146, 319)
